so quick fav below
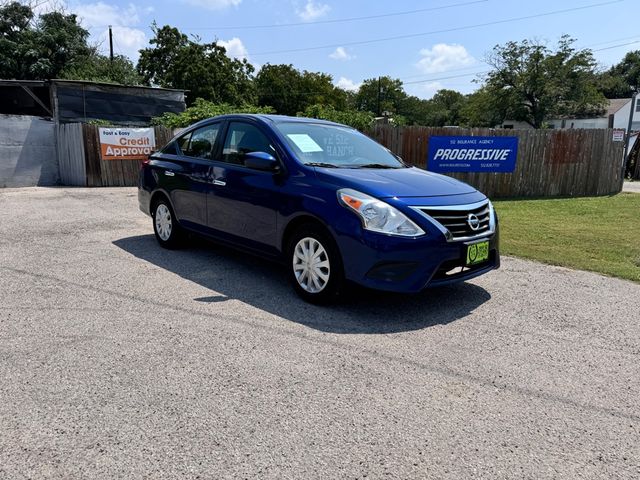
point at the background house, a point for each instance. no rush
(616, 115)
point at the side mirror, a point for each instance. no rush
(261, 161)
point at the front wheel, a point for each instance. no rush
(167, 230)
(315, 266)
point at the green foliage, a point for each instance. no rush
(203, 69)
(202, 109)
(444, 108)
(99, 68)
(42, 49)
(482, 109)
(289, 91)
(353, 118)
(535, 83)
(100, 122)
(623, 78)
(381, 94)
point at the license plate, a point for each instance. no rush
(477, 253)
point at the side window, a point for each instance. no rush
(183, 142)
(243, 138)
(200, 142)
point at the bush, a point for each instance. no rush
(202, 109)
(353, 118)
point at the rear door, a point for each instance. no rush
(191, 180)
(243, 203)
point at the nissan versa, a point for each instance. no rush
(329, 202)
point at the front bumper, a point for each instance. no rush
(410, 265)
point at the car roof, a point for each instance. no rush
(269, 119)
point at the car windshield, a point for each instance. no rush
(332, 146)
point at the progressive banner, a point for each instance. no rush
(472, 154)
(126, 143)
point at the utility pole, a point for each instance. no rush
(110, 44)
(379, 95)
(632, 110)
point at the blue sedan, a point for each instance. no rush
(326, 200)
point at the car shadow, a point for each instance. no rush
(235, 275)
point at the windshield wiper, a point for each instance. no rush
(373, 165)
(322, 164)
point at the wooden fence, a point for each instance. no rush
(550, 162)
(81, 164)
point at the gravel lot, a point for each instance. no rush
(122, 360)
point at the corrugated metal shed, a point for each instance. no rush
(79, 101)
(67, 101)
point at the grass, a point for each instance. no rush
(600, 234)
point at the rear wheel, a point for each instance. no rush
(315, 265)
(168, 232)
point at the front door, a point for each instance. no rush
(244, 202)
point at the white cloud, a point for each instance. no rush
(313, 11)
(341, 54)
(347, 84)
(444, 57)
(429, 89)
(94, 15)
(127, 39)
(214, 4)
(235, 48)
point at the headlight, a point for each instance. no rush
(377, 215)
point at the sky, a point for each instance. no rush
(429, 44)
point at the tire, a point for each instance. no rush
(168, 232)
(314, 265)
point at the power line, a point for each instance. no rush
(338, 20)
(447, 77)
(613, 41)
(616, 46)
(447, 71)
(433, 32)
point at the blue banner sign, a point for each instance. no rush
(472, 154)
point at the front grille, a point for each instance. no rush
(458, 222)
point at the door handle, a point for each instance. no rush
(220, 182)
(169, 173)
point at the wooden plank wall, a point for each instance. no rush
(550, 162)
(71, 156)
(114, 173)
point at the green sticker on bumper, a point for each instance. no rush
(477, 253)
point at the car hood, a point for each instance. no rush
(401, 182)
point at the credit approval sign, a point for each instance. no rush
(126, 143)
(472, 154)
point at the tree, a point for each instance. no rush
(381, 94)
(482, 108)
(444, 108)
(290, 91)
(100, 68)
(623, 78)
(354, 118)
(202, 109)
(535, 83)
(175, 61)
(39, 49)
